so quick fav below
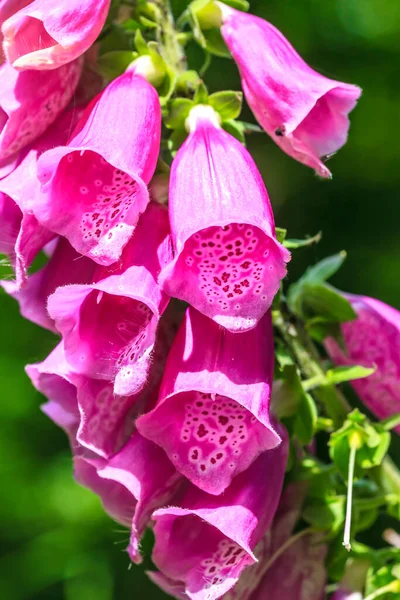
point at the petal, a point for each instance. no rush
(109, 327)
(212, 417)
(24, 113)
(45, 35)
(131, 484)
(372, 340)
(305, 113)
(228, 263)
(207, 541)
(94, 190)
(64, 267)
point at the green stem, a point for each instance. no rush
(392, 587)
(286, 545)
(170, 48)
(305, 354)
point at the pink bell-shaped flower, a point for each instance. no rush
(94, 189)
(30, 102)
(212, 416)
(20, 231)
(64, 267)
(205, 542)
(372, 340)
(131, 484)
(109, 325)
(46, 34)
(305, 113)
(228, 263)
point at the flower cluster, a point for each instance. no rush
(167, 405)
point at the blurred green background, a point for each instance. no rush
(55, 541)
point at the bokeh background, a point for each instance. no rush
(55, 541)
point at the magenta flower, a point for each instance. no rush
(212, 416)
(372, 339)
(305, 113)
(20, 231)
(94, 189)
(132, 484)
(228, 263)
(109, 327)
(206, 541)
(47, 34)
(25, 112)
(54, 379)
(299, 572)
(65, 266)
(7, 9)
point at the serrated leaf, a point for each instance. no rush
(228, 104)
(178, 112)
(235, 129)
(112, 64)
(347, 373)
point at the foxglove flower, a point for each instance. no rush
(131, 484)
(109, 326)
(305, 113)
(47, 34)
(94, 189)
(228, 263)
(212, 416)
(21, 187)
(372, 339)
(64, 267)
(54, 379)
(206, 541)
(297, 573)
(30, 102)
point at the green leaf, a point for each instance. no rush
(238, 4)
(112, 64)
(320, 328)
(228, 104)
(201, 94)
(322, 300)
(326, 514)
(325, 268)
(281, 234)
(347, 373)
(391, 422)
(176, 140)
(293, 244)
(306, 419)
(187, 82)
(140, 43)
(337, 558)
(235, 129)
(179, 109)
(215, 44)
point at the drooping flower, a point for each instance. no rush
(305, 113)
(372, 339)
(131, 484)
(212, 416)
(109, 327)
(31, 101)
(94, 189)
(23, 236)
(228, 263)
(64, 267)
(47, 34)
(296, 574)
(205, 542)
